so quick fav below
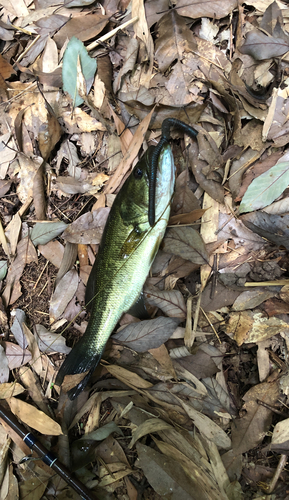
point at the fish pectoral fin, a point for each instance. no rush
(131, 243)
(138, 309)
(79, 360)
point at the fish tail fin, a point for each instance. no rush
(79, 360)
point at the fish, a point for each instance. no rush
(132, 235)
(127, 250)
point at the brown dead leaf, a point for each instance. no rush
(63, 294)
(34, 418)
(33, 386)
(187, 218)
(16, 355)
(41, 121)
(142, 335)
(52, 251)
(257, 169)
(12, 232)
(131, 154)
(162, 356)
(252, 326)
(184, 199)
(171, 302)
(129, 378)
(150, 425)
(6, 69)
(168, 47)
(71, 381)
(187, 243)
(36, 361)
(80, 121)
(39, 193)
(11, 389)
(84, 27)
(26, 254)
(124, 133)
(249, 430)
(88, 228)
(26, 172)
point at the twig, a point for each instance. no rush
(111, 33)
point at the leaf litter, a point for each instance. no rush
(191, 402)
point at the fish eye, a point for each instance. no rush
(138, 173)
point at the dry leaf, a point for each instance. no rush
(171, 302)
(25, 254)
(129, 378)
(34, 418)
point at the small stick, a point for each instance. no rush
(111, 33)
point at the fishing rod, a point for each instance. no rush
(48, 458)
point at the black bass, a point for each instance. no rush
(129, 244)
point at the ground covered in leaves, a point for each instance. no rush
(192, 403)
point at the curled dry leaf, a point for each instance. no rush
(34, 417)
(32, 383)
(147, 334)
(41, 121)
(26, 172)
(39, 193)
(149, 426)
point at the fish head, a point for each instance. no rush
(135, 192)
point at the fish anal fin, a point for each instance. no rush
(80, 360)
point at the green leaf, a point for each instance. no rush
(266, 188)
(74, 49)
(43, 232)
(3, 269)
